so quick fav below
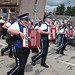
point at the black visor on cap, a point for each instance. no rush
(13, 18)
(24, 16)
(48, 16)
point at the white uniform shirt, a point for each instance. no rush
(37, 27)
(8, 24)
(43, 26)
(14, 26)
(2, 21)
(62, 31)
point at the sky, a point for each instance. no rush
(51, 4)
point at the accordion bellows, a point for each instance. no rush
(32, 38)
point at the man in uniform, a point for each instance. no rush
(44, 42)
(2, 21)
(21, 53)
(63, 46)
(9, 39)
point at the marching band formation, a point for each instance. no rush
(22, 36)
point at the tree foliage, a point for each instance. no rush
(70, 11)
(60, 9)
(73, 11)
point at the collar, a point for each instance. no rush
(47, 23)
(23, 25)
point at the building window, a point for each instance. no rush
(12, 10)
(6, 0)
(4, 11)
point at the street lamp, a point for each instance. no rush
(69, 2)
(63, 15)
(64, 12)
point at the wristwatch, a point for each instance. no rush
(20, 33)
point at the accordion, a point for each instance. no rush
(32, 38)
(52, 35)
(71, 32)
(67, 33)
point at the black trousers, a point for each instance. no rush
(63, 46)
(3, 32)
(9, 47)
(43, 53)
(21, 56)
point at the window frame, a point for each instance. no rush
(11, 11)
(7, 0)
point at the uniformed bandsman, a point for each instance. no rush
(9, 39)
(21, 53)
(63, 46)
(44, 42)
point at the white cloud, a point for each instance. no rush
(50, 8)
(51, 4)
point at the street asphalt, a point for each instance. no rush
(58, 64)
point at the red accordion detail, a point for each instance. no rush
(32, 38)
(68, 33)
(71, 32)
(52, 31)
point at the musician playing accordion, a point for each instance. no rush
(21, 53)
(43, 29)
(64, 40)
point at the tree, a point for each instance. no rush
(60, 9)
(69, 11)
(73, 11)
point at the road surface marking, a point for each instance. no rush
(67, 63)
(47, 73)
(3, 44)
(7, 59)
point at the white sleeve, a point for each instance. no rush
(2, 21)
(43, 27)
(66, 29)
(61, 30)
(36, 27)
(14, 26)
(8, 24)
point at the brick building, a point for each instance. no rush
(29, 6)
(9, 8)
(17, 7)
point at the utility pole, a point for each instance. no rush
(17, 2)
(35, 10)
(63, 15)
